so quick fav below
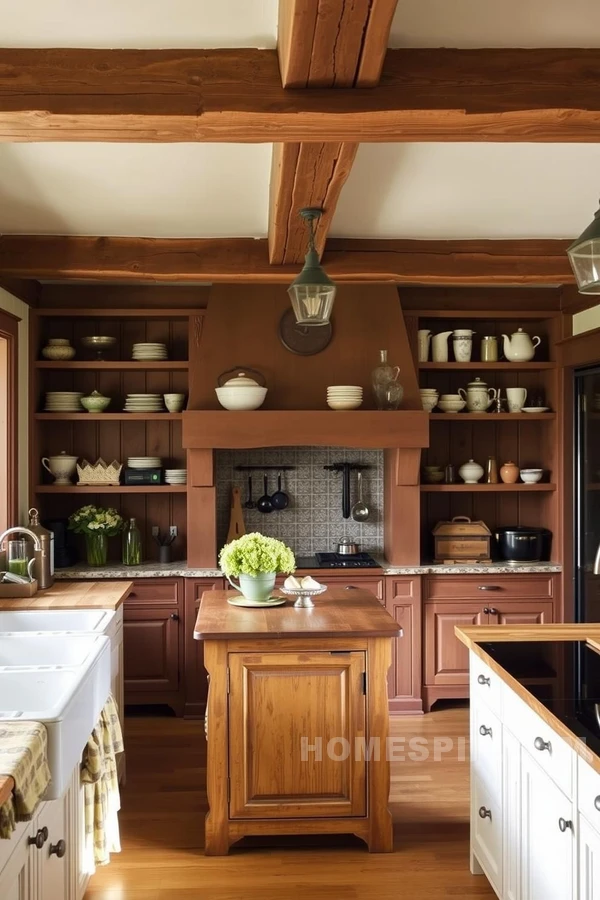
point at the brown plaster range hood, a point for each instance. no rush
(240, 327)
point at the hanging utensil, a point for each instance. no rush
(280, 499)
(360, 510)
(249, 504)
(264, 504)
(236, 516)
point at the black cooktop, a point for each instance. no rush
(337, 561)
(563, 675)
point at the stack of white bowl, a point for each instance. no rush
(429, 398)
(144, 462)
(149, 351)
(63, 401)
(144, 403)
(176, 476)
(344, 396)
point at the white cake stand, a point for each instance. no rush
(304, 595)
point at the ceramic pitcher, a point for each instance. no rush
(519, 347)
(440, 346)
(424, 340)
(478, 395)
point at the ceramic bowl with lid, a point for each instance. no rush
(241, 390)
(95, 402)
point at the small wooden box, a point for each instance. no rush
(10, 591)
(462, 541)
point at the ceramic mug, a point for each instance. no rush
(516, 398)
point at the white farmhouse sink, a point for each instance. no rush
(95, 620)
(68, 700)
(48, 649)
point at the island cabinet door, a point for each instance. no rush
(589, 861)
(446, 658)
(294, 722)
(547, 836)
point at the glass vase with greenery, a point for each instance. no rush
(97, 525)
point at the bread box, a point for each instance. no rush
(462, 541)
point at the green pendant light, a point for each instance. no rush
(584, 256)
(312, 293)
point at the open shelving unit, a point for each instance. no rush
(482, 488)
(113, 434)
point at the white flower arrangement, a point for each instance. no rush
(96, 520)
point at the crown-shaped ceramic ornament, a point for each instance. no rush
(99, 473)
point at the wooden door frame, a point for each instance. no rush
(9, 331)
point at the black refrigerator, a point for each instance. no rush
(587, 495)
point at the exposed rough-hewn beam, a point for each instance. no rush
(237, 96)
(148, 260)
(333, 43)
(322, 43)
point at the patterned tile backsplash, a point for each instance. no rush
(313, 520)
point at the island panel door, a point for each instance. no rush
(293, 721)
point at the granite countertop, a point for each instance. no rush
(181, 570)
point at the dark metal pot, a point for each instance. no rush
(519, 543)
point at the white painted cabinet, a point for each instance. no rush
(511, 810)
(17, 874)
(589, 861)
(547, 836)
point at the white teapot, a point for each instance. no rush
(519, 347)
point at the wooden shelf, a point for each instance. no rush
(499, 366)
(493, 417)
(168, 365)
(111, 489)
(107, 417)
(483, 488)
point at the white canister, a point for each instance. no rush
(516, 398)
(424, 340)
(462, 344)
(471, 472)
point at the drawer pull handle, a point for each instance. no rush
(486, 610)
(485, 813)
(489, 587)
(493, 611)
(541, 744)
(597, 802)
(484, 731)
(59, 849)
(175, 617)
(40, 838)
(481, 679)
(563, 824)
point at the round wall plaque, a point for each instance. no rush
(305, 340)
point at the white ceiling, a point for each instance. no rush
(138, 23)
(253, 23)
(496, 23)
(470, 190)
(155, 190)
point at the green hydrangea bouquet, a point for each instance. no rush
(256, 559)
(97, 525)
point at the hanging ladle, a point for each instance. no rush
(360, 510)
(249, 504)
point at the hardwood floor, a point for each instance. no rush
(162, 824)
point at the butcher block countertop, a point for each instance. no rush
(6, 788)
(74, 595)
(336, 613)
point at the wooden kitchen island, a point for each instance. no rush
(295, 698)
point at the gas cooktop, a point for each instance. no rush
(337, 561)
(563, 675)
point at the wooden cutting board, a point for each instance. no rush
(236, 516)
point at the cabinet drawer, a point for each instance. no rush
(486, 748)
(486, 686)
(148, 591)
(589, 793)
(543, 744)
(487, 587)
(340, 582)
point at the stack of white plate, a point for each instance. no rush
(344, 396)
(144, 462)
(149, 351)
(63, 401)
(176, 476)
(144, 403)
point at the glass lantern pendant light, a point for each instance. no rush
(584, 256)
(312, 293)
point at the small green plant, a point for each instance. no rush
(96, 520)
(256, 554)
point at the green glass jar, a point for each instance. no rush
(132, 545)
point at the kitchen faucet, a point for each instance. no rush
(18, 529)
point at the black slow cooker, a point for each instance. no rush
(518, 543)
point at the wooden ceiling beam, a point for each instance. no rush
(157, 260)
(322, 43)
(237, 96)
